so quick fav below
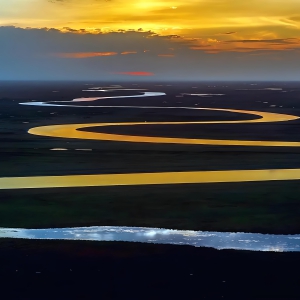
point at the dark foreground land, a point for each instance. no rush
(80, 270)
(87, 270)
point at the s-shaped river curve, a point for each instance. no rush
(73, 131)
(217, 240)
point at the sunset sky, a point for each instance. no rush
(204, 39)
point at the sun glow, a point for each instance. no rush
(149, 5)
(205, 20)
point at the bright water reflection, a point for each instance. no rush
(88, 99)
(148, 178)
(218, 240)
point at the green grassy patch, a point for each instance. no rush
(271, 207)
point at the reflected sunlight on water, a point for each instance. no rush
(72, 130)
(148, 178)
(218, 240)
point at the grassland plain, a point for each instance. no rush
(271, 207)
(266, 207)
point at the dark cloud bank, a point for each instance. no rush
(46, 54)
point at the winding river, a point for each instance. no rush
(218, 240)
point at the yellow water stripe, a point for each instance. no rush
(148, 178)
(71, 131)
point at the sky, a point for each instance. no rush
(149, 40)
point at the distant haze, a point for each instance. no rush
(41, 54)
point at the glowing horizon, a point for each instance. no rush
(223, 25)
(173, 39)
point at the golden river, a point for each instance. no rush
(73, 131)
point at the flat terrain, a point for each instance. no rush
(265, 207)
(88, 270)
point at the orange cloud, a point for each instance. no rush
(128, 52)
(166, 55)
(135, 73)
(246, 45)
(85, 54)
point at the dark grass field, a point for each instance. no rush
(87, 270)
(122, 269)
(271, 207)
